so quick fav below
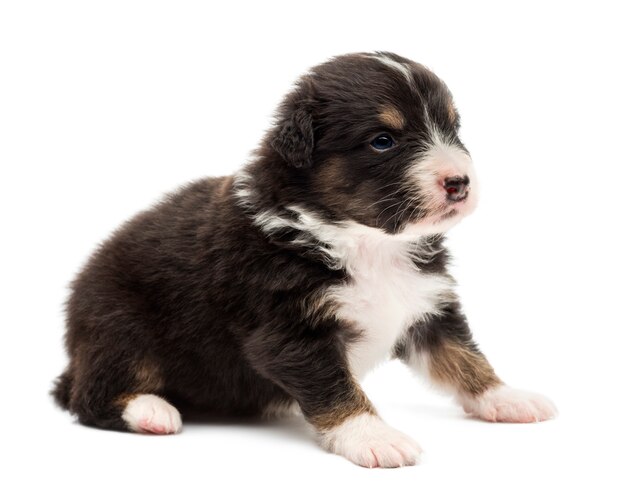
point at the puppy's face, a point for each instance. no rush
(375, 136)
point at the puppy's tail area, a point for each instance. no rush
(61, 390)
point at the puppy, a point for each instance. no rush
(282, 286)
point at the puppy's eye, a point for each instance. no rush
(382, 142)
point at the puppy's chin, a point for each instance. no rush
(441, 221)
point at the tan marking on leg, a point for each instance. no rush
(124, 399)
(453, 364)
(392, 117)
(355, 404)
(148, 376)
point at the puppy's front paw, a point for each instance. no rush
(505, 404)
(367, 441)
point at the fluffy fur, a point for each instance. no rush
(283, 285)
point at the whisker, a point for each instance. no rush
(396, 215)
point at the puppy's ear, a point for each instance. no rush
(293, 138)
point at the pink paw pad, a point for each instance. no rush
(153, 427)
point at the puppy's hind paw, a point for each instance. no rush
(367, 441)
(151, 414)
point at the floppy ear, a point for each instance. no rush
(293, 138)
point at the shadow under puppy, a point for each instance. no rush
(281, 286)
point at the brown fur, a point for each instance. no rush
(452, 111)
(330, 176)
(341, 193)
(357, 403)
(194, 301)
(454, 365)
(148, 376)
(392, 117)
(123, 400)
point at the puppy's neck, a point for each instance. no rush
(340, 244)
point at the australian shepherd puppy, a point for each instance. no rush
(281, 286)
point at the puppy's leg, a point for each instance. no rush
(313, 370)
(138, 412)
(443, 349)
(113, 393)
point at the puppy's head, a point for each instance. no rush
(373, 138)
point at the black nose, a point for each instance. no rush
(456, 187)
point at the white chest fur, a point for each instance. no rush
(385, 295)
(385, 292)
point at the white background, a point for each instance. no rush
(104, 106)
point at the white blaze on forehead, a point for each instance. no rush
(448, 158)
(440, 161)
(398, 66)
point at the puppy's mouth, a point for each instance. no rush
(454, 198)
(447, 207)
